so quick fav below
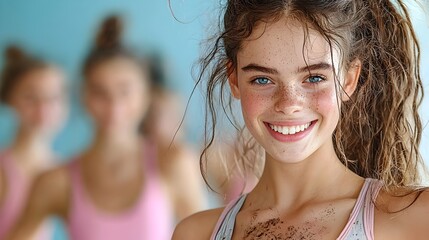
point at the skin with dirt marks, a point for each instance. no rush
(276, 227)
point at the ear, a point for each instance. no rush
(233, 80)
(351, 79)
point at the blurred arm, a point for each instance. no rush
(186, 184)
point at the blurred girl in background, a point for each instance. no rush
(116, 189)
(35, 90)
(176, 157)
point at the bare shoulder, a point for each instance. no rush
(51, 190)
(404, 215)
(198, 226)
(419, 212)
(181, 160)
(185, 153)
(54, 178)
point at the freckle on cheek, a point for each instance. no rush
(316, 101)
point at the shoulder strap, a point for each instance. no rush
(356, 213)
(368, 211)
(76, 183)
(225, 226)
(10, 168)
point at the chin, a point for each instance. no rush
(116, 130)
(288, 155)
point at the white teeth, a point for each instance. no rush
(290, 130)
(285, 131)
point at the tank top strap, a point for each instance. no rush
(225, 225)
(75, 175)
(17, 183)
(77, 185)
(368, 211)
(357, 209)
(9, 166)
(3, 156)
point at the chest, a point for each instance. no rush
(110, 193)
(323, 221)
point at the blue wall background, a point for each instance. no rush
(63, 30)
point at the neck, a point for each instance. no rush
(288, 185)
(111, 147)
(30, 146)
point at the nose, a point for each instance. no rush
(43, 108)
(112, 105)
(288, 100)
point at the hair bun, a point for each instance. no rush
(14, 54)
(110, 33)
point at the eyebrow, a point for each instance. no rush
(258, 68)
(317, 66)
(309, 68)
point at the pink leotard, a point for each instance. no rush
(150, 218)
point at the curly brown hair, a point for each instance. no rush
(379, 131)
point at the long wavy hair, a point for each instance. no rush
(379, 130)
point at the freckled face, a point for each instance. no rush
(287, 92)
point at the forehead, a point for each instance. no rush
(285, 44)
(44, 78)
(116, 71)
(117, 66)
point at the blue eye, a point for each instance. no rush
(315, 79)
(261, 81)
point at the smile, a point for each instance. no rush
(289, 130)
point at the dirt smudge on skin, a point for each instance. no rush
(276, 228)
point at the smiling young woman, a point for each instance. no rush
(326, 88)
